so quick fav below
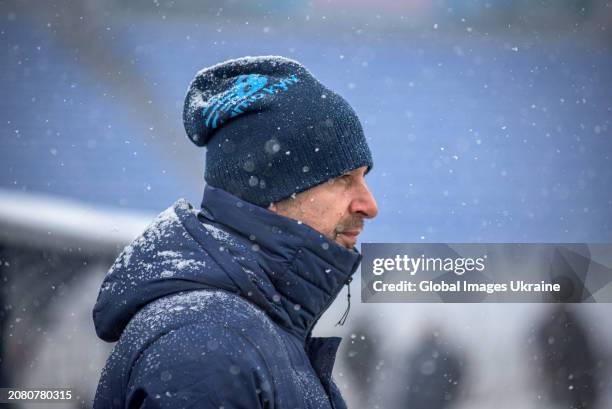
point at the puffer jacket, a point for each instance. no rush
(214, 308)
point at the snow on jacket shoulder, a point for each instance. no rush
(204, 361)
(215, 309)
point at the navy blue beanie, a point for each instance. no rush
(271, 129)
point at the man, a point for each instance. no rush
(215, 308)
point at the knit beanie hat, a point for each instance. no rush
(271, 129)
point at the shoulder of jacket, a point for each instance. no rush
(200, 362)
(211, 311)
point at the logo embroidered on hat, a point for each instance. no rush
(246, 90)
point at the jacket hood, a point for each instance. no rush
(289, 270)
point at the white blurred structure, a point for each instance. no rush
(55, 253)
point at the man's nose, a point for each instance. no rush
(364, 202)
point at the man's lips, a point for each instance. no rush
(350, 237)
(347, 233)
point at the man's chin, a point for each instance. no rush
(347, 240)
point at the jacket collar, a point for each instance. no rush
(305, 269)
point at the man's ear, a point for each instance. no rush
(273, 208)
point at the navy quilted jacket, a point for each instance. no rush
(214, 309)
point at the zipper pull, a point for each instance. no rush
(348, 307)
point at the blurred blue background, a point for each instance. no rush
(489, 122)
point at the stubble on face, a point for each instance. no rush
(350, 228)
(336, 208)
(306, 211)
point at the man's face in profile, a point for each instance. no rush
(336, 208)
